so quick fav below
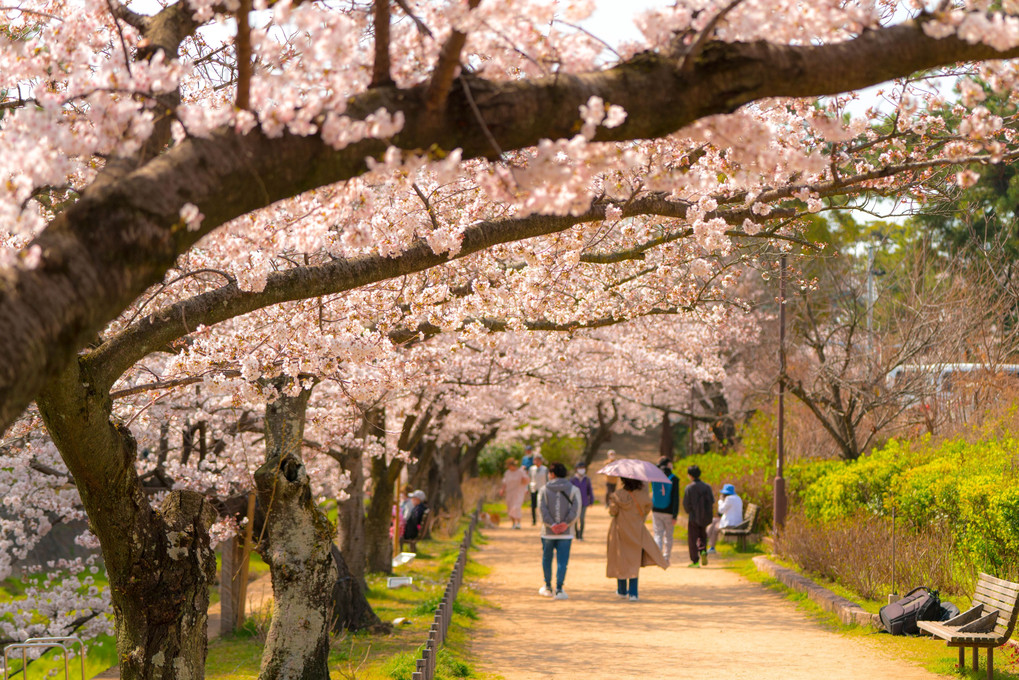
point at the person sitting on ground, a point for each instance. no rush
(730, 509)
(583, 484)
(414, 527)
(697, 501)
(539, 476)
(629, 545)
(560, 504)
(665, 510)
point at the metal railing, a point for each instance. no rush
(45, 643)
(425, 668)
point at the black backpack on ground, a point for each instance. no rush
(919, 604)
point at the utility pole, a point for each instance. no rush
(780, 499)
(870, 296)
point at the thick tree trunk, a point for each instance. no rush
(665, 438)
(450, 488)
(379, 542)
(350, 609)
(297, 545)
(159, 561)
(350, 516)
(230, 605)
(599, 434)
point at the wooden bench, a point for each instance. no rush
(988, 623)
(744, 528)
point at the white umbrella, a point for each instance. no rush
(633, 468)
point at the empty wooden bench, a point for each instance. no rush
(744, 528)
(988, 623)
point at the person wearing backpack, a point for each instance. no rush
(665, 508)
(559, 504)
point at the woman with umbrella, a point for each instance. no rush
(630, 545)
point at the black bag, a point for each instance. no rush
(919, 604)
(948, 611)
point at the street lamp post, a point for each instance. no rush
(780, 499)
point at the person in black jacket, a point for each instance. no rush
(697, 503)
(414, 527)
(665, 508)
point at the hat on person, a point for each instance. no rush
(728, 490)
(419, 494)
(694, 471)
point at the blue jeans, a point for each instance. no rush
(622, 589)
(561, 547)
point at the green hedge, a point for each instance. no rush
(972, 487)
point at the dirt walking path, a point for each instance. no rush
(705, 623)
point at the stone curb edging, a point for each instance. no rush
(847, 611)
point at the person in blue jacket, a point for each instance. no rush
(664, 508)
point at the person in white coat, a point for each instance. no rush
(730, 511)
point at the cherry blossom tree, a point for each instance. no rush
(163, 183)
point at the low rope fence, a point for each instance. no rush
(425, 668)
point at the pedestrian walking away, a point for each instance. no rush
(559, 503)
(539, 477)
(583, 484)
(611, 482)
(698, 500)
(665, 508)
(730, 510)
(513, 489)
(630, 546)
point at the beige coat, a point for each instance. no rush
(630, 545)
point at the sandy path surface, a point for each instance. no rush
(705, 623)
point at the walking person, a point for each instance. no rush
(697, 502)
(528, 460)
(730, 510)
(583, 484)
(665, 508)
(629, 545)
(513, 489)
(560, 504)
(539, 477)
(610, 481)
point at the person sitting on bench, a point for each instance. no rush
(414, 527)
(730, 507)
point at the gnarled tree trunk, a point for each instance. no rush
(297, 546)
(159, 561)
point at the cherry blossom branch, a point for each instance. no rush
(426, 330)
(243, 45)
(170, 384)
(445, 70)
(120, 33)
(121, 237)
(690, 58)
(381, 69)
(421, 26)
